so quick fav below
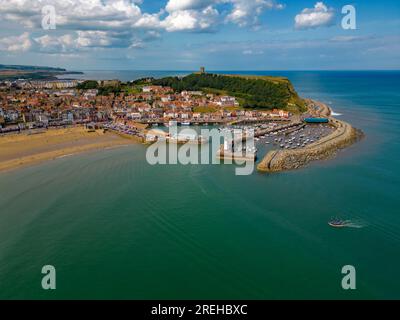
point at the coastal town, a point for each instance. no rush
(134, 111)
(45, 104)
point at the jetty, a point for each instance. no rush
(237, 156)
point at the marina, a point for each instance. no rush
(268, 136)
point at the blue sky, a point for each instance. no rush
(186, 34)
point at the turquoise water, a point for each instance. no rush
(116, 227)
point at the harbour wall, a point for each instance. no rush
(343, 136)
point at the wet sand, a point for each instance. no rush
(19, 150)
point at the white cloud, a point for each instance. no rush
(65, 43)
(350, 38)
(84, 40)
(16, 43)
(93, 39)
(177, 5)
(191, 20)
(242, 12)
(149, 21)
(247, 12)
(85, 24)
(192, 15)
(318, 16)
(84, 14)
(250, 52)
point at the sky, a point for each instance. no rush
(187, 34)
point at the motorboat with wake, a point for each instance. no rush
(338, 223)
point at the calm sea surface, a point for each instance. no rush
(116, 227)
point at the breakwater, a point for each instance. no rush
(343, 136)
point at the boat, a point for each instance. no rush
(186, 123)
(337, 223)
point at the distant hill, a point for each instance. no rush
(29, 68)
(256, 92)
(14, 72)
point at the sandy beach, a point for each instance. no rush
(19, 150)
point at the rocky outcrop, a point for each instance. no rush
(343, 136)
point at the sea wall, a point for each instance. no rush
(281, 160)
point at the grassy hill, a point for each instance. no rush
(255, 92)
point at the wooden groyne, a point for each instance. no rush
(343, 136)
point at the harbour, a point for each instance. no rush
(263, 236)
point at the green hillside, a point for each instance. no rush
(256, 92)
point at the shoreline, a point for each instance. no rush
(23, 150)
(325, 148)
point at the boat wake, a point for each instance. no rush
(354, 224)
(335, 114)
(349, 223)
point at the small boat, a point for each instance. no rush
(337, 223)
(185, 123)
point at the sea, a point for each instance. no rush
(115, 227)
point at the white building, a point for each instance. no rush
(227, 101)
